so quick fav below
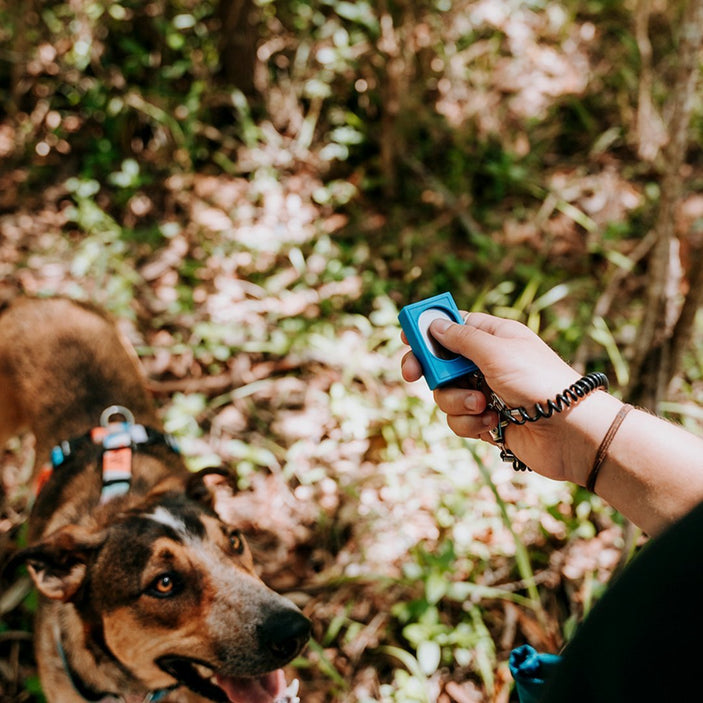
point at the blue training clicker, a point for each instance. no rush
(439, 365)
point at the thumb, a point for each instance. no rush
(468, 341)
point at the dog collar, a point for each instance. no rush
(117, 442)
(89, 694)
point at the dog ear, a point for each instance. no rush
(58, 564)
(209, 486)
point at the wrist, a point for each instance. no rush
(582, 430)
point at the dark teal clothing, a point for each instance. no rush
(643, 641)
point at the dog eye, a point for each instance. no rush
(164, 585)
(236, 541)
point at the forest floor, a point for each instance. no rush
(258, 263)
(396, 538)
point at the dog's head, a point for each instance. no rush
(172, 593)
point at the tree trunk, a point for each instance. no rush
(667, 325)
(238, 42)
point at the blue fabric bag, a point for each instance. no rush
(531, 671)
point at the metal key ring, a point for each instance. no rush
(107, 414)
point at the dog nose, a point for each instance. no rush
(284, 634)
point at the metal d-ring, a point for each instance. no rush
(107, 414)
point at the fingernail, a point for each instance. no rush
(488, 419)
(440, 325)
(471, 403)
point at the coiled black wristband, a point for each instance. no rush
(519, 416)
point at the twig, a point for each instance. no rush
(470, 225)
(605, 301)
(685, 324)
(651, 131)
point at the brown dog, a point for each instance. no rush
(146, 594)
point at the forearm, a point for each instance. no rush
(653, 471)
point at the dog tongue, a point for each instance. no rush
(265, 689)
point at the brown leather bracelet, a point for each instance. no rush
(604, 446)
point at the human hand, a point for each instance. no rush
(521, 369)
(650, 470)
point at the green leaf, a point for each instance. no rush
(429, 655)
(435, 587)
